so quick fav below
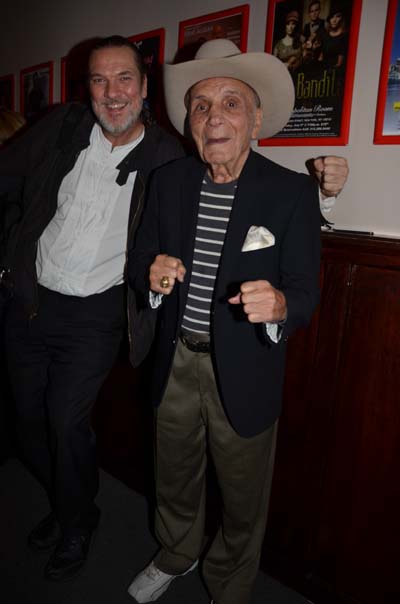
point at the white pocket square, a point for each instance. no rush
(257, 238)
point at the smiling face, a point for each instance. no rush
(223, 118)
(117, 90)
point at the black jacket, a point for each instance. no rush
(249, 371)
(31, 171)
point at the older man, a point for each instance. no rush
(75, 188)
(228, 253)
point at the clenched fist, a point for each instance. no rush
(261, 302)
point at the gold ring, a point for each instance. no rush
(164, 282)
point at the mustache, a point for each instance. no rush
(114, 102)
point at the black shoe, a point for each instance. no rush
(69, 556)
(45, 535)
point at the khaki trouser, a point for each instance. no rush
(189, 423)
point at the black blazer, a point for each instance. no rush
(31, 171)
(249, 369)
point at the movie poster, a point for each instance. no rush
(151, 46)
(36, 89)
(391, 122)
(231, 24)
(317, 42)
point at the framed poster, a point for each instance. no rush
(36, 89)
(151, 45)
(232, 24)
(7, 88)
(317, 41)
(387, 122)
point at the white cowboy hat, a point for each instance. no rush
(266, 74)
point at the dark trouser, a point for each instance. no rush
(190, 419)
(57, 363)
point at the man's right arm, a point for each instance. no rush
(18, 157)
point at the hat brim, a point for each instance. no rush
(266, 74)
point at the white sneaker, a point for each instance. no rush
(152, 582)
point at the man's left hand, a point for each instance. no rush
(332, 172)
(261, 302)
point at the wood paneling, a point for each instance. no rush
(334, 527)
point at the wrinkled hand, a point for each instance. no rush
(331, 172)
(261, 302)
(166, 266)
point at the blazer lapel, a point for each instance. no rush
(248, 193)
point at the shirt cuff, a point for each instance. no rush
(155, 299)
(274, 331)
(327, 203)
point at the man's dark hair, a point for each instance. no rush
(121, 42)
(314, 2)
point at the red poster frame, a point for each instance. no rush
(48, 65)
(379, 137)
(343, 137)
(243, 10)
(152, 34)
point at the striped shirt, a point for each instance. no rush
(216, 200)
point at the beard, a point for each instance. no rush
(120, 126)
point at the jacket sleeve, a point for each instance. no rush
(300, 259)
(147, 245)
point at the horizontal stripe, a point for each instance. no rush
(196, 309)
(197, 286)
(208, 217)
(203, 275)
(214, 230)
(198, 297)
(215, 207)
(205, 264)
(207, 194)
(196, 249)
(194, 330)
(196, 320)
(213, 241)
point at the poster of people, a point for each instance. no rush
(231, 24)
(387, 129)
(317, 41)
(7, 92)
(36, 89)
(151, 45)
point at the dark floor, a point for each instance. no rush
(122, 547)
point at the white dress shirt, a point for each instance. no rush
(82, 251)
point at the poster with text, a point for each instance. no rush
(317, 42)
(231, 24)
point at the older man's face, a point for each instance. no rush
(223, 119)
(117, 91)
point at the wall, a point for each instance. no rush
(36, 31)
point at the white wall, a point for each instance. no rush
(35, 31)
